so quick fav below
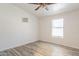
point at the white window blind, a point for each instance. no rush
(57, 27)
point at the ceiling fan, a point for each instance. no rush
(42, 5)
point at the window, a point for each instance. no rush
(57, 29)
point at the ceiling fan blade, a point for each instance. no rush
(35, 3)
(49, 3)
(38, 7)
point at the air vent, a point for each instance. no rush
(25, 19)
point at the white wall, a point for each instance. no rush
(14, 32)
(71, 29)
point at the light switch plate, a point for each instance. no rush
(25, 19)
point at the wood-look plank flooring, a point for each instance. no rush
(39, 49)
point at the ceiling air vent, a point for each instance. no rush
(25, 19)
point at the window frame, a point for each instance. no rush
(58, 27)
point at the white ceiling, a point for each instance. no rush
(53, 9)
